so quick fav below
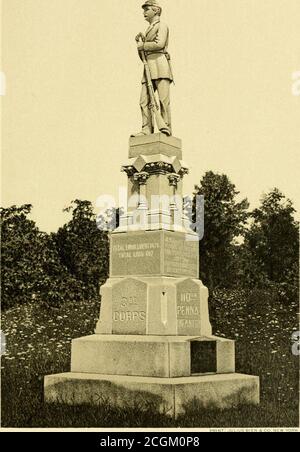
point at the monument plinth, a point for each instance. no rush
(153, 343)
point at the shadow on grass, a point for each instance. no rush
(23, 406)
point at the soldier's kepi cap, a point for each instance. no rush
(151, 3)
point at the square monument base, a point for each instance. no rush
(170, 396)
(152, 356)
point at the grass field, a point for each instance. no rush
(38, 343)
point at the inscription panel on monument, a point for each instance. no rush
(154, 253)
(138, 253)
(129, 307)
(180, 255)
(188, 308)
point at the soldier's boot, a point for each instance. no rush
(166, 131)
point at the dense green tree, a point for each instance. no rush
(271, 245)
(21, 261)
(52, 268)
(83, 248)
(30, 265)
(224, 221)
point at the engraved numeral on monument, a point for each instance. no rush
(188, 297)
(130, 301)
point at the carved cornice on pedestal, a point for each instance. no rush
(159, 167)
(129, 170)
(174, 179)
(141, 178)
(155, 164)
(183, 171)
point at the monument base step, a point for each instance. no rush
(152, 356)
(170, 396)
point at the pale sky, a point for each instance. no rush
(73, 83)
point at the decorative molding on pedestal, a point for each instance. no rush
(174, 179)
(183, 171)
(155, 164)
(141, 178)
(159, 167)
(129, 170)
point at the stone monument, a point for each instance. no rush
(153, 345)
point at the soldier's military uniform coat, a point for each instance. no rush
(156, 50)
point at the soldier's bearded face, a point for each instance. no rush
(149, 13)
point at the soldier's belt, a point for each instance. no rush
(162, 52)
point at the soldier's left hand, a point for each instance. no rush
(140, 46)
(140, 36)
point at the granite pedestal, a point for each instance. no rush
(153, 346)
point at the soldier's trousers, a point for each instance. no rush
(162, 86)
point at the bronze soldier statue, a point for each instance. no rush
(153, 50)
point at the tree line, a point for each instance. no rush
(241, 248)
